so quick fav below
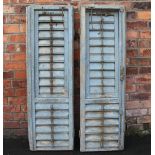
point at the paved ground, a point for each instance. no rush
(133, 146)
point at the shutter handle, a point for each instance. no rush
(122, 73)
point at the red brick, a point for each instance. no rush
(11, 108)
(19, 9)
(6, 38)
(24, 125)
(133, 105)
(131, 70)
(77, 27)
(136, 112)
(132, 52)
(145, 70)
(6, 108)
(14, 19)
(20, 92)
(131, 120)
(21, 38)
(143, 79)
(20, 74)
(145, 34)
(15, 66)
(18, 116)
(6, 1)
(4, 19)
(6, 83)
(131, 79)
(20, 48)
(141, 5)
(24, 108)
(17, 100)
(5, 100)
(9, 92)
(11, 124)
(145, 62)
(11, 28)
(8, 9)
(139, 96)
(145, 52)
(46, 1)
(145, 43)
(138, 104)
(76, 16)
(138, 25)
(22, 27)
(132, 34)
(22, 1)
(134, 61)
(8, 75)
(130, 88)
(143, 88)
(6, 57)
(77, 55)
(131, 15)
(18, 57)
(132, 43)
(10, 48)
(16, 48)
(19, 84)
(7, 116)
(144, 15)
(144, 119)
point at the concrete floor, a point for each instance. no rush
(134, 145)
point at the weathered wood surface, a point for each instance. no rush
(102, 88)
(50, 87)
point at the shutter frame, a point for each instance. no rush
(83, 65)
(32, 99)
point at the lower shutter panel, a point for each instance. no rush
(50, 89)
(102, 113)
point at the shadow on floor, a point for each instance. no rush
(134, 145)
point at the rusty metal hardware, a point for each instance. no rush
(102, 51)
(122, 72)
(51, 48)
(52, 128)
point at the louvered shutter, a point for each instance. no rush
(102, 78)
(50, 77)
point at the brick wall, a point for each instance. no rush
(137, 61)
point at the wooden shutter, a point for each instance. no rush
(102, 78)
(50, 77)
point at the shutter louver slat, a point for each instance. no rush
(53, 120)
(101, 125)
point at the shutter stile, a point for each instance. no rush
(101, 97)
(51, 101)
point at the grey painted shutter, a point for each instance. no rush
(50, 77)
(102, 78)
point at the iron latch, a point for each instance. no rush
(122, 72)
